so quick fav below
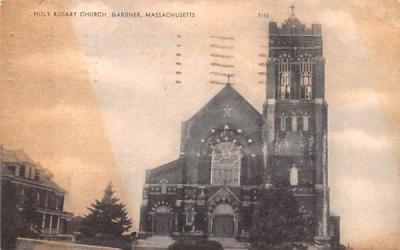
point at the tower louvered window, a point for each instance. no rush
(306, 78)
(284, 79)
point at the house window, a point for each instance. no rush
(61, 203)
(46, 200)
(22, 171)
(37, 175)
(294, 176)
(284, 79)
(225, 164)
(306, 78)
(12, 169)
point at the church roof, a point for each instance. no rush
(170, 171)
(165, 167)
(227, 93)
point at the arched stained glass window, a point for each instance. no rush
(162, 209)
(225, 164)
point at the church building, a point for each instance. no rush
(230, 151)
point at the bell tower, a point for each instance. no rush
(295, 113)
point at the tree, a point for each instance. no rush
(29, 207)
(28, 213)
(277, 219)
(107, 217)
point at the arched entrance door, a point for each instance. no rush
(163, 220)
(223, 222)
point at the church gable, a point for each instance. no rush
(227, 104)
(228, 109)
(226, 118)
(223, 194)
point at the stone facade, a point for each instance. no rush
(229, 151)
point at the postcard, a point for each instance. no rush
(200, 124)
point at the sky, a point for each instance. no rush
(96, 99)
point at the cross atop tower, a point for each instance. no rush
(292, 7)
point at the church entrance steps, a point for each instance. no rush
(153, 243)
(162, 243)
(236, 248)
(231, 243)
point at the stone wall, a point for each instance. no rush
(32, 244)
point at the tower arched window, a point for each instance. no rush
(306, 122)
(294, 176)
(294, 122)
(288, 123)
(300, 122)
(306, 78)
(282, 122)
(225, 164)
(284, 79)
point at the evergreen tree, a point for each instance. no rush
(28, 210)
(277, 219)
(107, 217)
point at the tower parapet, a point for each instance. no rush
(294, 38)
(293, 27)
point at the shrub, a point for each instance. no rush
(196, 245)
(283, 246)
